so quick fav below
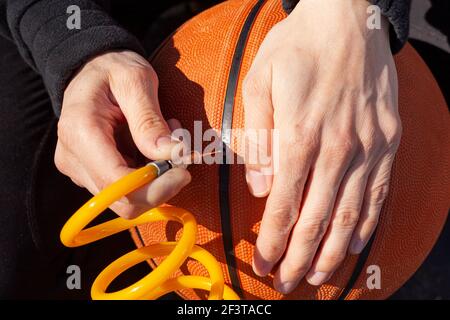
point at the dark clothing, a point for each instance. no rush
(397, 11)
(38, 55)
(38, 28)
(34, 198)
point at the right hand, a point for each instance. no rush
(110, 118)
(330, 90)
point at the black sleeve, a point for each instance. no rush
(397, 11)
(39, 29)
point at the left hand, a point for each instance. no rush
(110, 120)
(328, 84)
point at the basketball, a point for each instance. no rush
(201, 69)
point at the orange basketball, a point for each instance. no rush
(201, 69)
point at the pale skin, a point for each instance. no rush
(321, 78)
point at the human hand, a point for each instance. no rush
(110, 118)
(328, 84)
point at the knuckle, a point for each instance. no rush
(312, 230)
(372, 143)
(394, 136)
(342, 147)
(271, 251)
(283, 219)
(140, 70)
(333, 259)
(371, 222)
(346, 218)
(295, 268)
(60, 161)
(302, 137)
(147, 120)
(133, 76)
(392, 130)
(142, 75)
(286, 194)
(378, 194)
(150, 72)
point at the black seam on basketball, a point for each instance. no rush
(224, 169)
(139, 236)
(143, 244)
(362, 259)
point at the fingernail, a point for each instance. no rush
(257, 183)
(264, 270)
(163, 142)
(317, 278)
(286, 287)
(261, 269)
(357, 247)
(124, 200)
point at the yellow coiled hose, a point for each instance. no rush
(160, 281)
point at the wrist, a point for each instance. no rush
(339, 9)
(345, 22)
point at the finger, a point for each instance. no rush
(345, 216)
(182, 154)
(137, 202)
(152, 195)
(258, 131)
(325, 179)
(157, 192)
(376, 192)
(95, 149)
(107, 166)
(282, 207)
(103, 173)
(136, 91)
(174, 124)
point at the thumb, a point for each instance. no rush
(137, 96)
(258, 135)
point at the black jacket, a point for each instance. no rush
(38, 28)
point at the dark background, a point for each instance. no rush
(430, 36)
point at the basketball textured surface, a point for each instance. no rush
(196, 67)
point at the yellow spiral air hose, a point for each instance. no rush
(160, 281)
